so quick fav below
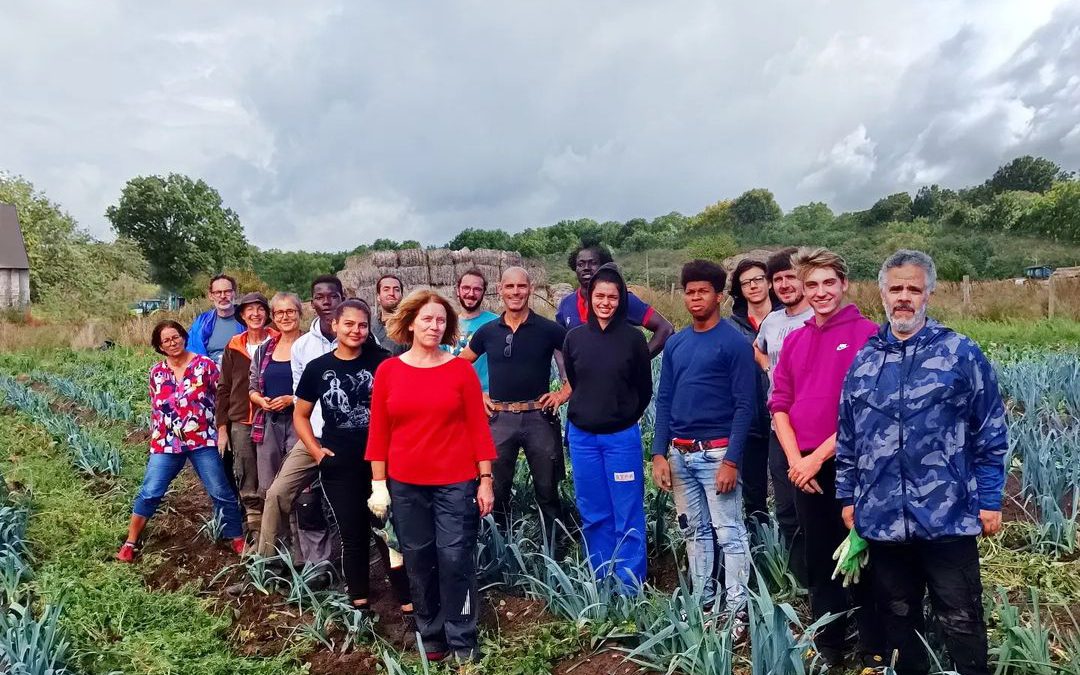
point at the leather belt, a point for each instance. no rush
(687, 445)
(517, 406)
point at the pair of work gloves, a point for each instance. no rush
(379, 501)
(851, 557)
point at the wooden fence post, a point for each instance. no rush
(1051, 300)
(966, 286)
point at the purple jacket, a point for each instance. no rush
(810, 374)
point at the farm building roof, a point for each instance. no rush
(12, 247)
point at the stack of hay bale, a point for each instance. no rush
(439, 269)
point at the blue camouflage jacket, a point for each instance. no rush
(922, 438)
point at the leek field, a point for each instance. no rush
(72, 453)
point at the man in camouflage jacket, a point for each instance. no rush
(920, 468)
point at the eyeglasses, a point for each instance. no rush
(222, 294)
(171, 340)
(752, 281)
(285, 313)
(509, 345)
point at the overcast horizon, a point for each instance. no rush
(327, 125)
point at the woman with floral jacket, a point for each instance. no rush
(183, 393)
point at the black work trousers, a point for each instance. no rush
(346, 483)
(950, 570)
(823, 526)
(539, 434)
(786, 516)
(437, 527)
(755, 481)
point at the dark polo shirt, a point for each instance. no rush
(519, 368)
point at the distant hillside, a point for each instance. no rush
(1027, 213)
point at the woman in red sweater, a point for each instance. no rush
(429, 434)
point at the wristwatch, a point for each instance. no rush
(488, 475)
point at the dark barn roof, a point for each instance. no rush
(12, 247)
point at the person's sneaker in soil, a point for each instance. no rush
(408, 621)
(435, 657)
(740, 629)
(871, 664)
(238, 544)
(321, 582)
(825, 659)
(127, 552)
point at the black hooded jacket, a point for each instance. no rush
(609, 368)
(740, 319)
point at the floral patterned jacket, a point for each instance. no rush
(182, 413)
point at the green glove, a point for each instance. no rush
(851, 556)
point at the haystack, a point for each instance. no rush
(440, 269)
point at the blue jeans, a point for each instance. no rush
(610, 488)
(163, 467)
(708, 520)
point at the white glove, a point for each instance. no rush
(379, 501)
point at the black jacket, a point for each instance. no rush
(740, 319)
(609, 368)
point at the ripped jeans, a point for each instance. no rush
(711, 522)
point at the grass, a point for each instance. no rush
(114, 622)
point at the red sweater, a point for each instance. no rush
(428, 424)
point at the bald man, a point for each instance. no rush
(523, 410)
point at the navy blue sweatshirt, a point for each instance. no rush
(608, 368)
(708, 389)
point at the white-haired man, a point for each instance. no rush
(920, 468)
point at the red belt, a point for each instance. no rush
(685, 445)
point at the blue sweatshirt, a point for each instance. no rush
(708, 389)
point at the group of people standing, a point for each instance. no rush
(896, 430)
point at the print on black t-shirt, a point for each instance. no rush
(346, 399)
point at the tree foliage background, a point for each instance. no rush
(70, 271)
(175, 231)
(181, 227)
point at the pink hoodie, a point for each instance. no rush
(810, 374)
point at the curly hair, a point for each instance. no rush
(704, 270)
(601, 251)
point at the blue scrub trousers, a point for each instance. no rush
(609, 482)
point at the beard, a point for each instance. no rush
(907, 326)
(794, 301)
(470, 305)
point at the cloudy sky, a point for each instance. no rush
(329, 124)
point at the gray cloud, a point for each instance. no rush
(330, 124)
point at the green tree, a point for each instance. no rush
(294, 270)
(808, 217)
(714, 217)
(1026, 174)
(384, 245)
(1007, 211)
(70, 271)
(716, 247)
(895, 207)
(181, 227)
(472, 238)
(930, 201)
(1056, 214)
(755, 206)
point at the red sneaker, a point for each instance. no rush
(434, 657)
(126, 553)
(238, 545)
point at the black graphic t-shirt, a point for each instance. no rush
(344, 390)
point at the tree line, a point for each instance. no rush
(175, 231)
